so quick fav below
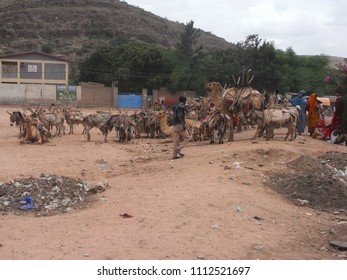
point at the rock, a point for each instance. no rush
(323, 249)
(259, 247)
(339, 244)
(302, 202)
(66, 201)
(67, 210)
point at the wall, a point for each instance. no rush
(26, 93)
(164, 92)
(87, 95)
(95, 95)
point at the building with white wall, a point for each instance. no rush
(33, 68)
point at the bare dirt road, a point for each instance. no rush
(215, 203)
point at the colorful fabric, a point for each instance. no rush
(322, 131)
(313, 113)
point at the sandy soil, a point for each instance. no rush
(211, 204)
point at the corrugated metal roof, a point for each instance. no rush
(9, 55)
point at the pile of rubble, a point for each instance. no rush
(320, 183)
(47, 195)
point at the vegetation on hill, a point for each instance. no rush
(135, 65)
(109, 40)
(79, 27)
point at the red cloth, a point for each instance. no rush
(323, 129)
(335, 122)
(235, 118)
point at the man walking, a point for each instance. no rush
(180, 135)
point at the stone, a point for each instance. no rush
(302, 202)
(66, 201)
(339, 244)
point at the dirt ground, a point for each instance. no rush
(238, 200)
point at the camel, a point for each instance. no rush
(234, 100)
(194, 127)
(34, 132)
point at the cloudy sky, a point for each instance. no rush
(309, 27)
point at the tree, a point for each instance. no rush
(336, 80)
(188, 43)
(254, 54)
(187, 72)
(133, 65)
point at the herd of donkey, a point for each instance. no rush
(211, 118)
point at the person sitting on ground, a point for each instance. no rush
(338, 136)
(321, 131)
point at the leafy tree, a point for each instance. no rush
(187, 72)
(188, 43)
(235, 62)
(133, 65)
(100, 67)
(294, 73)
(336, 80)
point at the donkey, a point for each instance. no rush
(17, 118)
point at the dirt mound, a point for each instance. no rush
(321, 182)
(47, 195)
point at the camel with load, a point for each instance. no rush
(194, 127)
(233, 100)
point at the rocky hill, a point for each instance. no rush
(76, 27)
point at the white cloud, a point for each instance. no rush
(310, 27)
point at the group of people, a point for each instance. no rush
(312, 115)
